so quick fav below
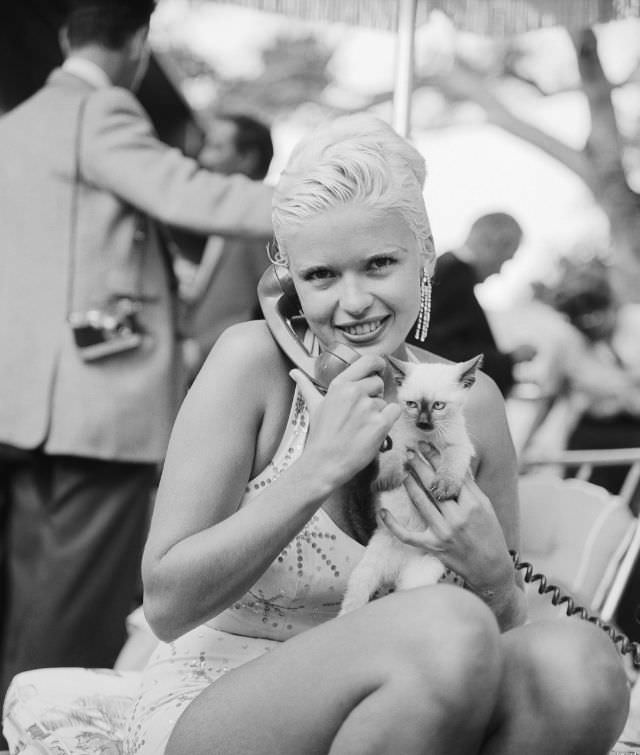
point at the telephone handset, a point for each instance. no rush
(282, 312)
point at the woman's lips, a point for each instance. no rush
(363, 331)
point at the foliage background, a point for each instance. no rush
(295, 74)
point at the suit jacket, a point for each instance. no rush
(120, 407)
(458, 329)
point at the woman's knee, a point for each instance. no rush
(447, 639)
(594, 674)
(574, 678)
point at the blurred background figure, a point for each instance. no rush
(601, 365)
(238, 143)
(221, 289)
(459, 328)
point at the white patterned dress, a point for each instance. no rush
(303, 587)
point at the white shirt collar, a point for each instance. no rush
(87, 70)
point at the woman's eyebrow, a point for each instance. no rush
(389, 248)
(311, 267)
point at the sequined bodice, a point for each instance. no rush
(305, 584)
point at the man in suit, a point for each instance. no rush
(221, 289)
(89, 372)
(458, 327)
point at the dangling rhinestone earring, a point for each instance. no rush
(422, 325)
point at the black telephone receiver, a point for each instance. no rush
(283, 314)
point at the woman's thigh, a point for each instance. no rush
(441, 641)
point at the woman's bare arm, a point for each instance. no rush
(204, 550)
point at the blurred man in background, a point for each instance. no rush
(221, 289)
(458, 327)
(238, 143)
(90, 369)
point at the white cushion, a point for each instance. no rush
(68, 711)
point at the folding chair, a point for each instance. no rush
(584, 539)
(606, 596)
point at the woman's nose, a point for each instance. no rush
(355, 298)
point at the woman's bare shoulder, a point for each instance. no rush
(246, 347)
(244, 365)
(488, 427)
(485, 395)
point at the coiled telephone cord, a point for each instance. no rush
(558, 597)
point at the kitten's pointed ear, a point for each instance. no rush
(468, 370)
(399, 369)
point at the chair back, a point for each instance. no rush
(588, 538)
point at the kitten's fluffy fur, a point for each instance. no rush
(433, 396)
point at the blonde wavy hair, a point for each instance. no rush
(356, 159)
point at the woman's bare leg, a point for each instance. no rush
(564, 691)
(415, 672)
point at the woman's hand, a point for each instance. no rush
(349, 423)
(464, 534)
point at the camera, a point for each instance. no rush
(100, 333)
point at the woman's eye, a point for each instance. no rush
(438, 405)
(380, 263)
(319, 274)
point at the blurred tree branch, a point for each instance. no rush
(599, 163)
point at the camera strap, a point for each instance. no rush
(73, 230)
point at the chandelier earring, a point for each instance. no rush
(422, 324)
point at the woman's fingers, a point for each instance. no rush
(373, 386)
(423, 488)
(470, 495)
(365, 372)
(363, 367)
(424, 501)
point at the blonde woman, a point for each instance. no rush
(250, 546)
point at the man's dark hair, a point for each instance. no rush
(498, 223)
(252, 135)
(106, 22)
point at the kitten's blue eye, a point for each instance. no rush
(411, 404)
(438, 405)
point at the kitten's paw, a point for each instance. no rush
(444, 487)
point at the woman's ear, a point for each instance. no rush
(428, 255)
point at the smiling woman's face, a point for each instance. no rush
(357, 273)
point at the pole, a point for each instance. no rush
(403, 85)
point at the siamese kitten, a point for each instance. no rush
(432, 424)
